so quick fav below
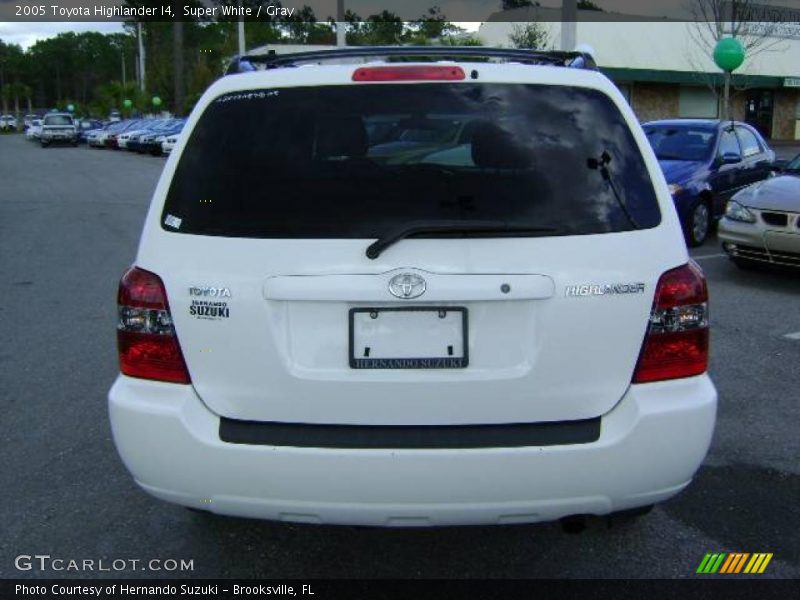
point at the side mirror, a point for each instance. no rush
(730, 158)
(779, 165)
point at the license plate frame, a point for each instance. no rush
(458, 362)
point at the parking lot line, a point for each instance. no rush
(704, 256)
(793, 336)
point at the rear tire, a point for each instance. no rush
(45, 144)
(698, 224)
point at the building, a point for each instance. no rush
(664, 71)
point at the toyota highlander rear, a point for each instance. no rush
(413, 294)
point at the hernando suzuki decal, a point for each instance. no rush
(209, 309)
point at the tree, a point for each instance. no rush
(11, 69)
(382, 29)
(530, 35)
(303, 28)
(588, 5)
(433, 25)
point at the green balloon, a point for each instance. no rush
(729, 54)
(127, 103)
(156, 101)
(70, 107)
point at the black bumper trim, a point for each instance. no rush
(511, 435)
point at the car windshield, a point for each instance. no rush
(302, 162)
(680, 143)
(58, 120)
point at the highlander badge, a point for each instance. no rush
(604, 289)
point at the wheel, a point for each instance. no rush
(699, 224)
(45, 144)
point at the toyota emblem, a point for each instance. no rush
(407, 286)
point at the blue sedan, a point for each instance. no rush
(705, 162)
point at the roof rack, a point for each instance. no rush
(272, 60)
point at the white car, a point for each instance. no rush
(8, 122)
(169, 143)
(311, 333)
(58, 128)
(34, 130)
(122, 139)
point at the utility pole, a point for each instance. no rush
(341, 40)
(141, 56)
(569, 26)
(177, 67)
(241, 31)
(123, 70)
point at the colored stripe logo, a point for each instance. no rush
(735, 562)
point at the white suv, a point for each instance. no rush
(332, 321)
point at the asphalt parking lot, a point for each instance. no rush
(70, 220)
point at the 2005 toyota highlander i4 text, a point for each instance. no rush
(419, 293)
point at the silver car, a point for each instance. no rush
(761, 224)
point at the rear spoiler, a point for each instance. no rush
(273, 60)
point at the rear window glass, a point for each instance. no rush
(359, 161)
(58, 120)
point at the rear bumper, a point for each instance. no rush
(650, 445)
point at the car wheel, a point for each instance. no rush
(45, 144)
(699, 224)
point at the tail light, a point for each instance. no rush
(409, 73)
(676, 344)
(146, 340)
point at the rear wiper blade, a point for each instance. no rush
(375, 249)
(601, 164)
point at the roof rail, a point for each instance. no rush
(272, 60)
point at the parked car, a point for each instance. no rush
(153, 143)
(58, 128)
(169, 143)
(112, 137)
(34, 130)
(705, 162)
(761, 224)
(8, 123)
(87, 126)
(97, 139)
(143, 126)
(135, 141)
(308, 334)
(114, 116)
(28, 120)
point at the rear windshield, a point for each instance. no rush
(58, 120)
(360, 161)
